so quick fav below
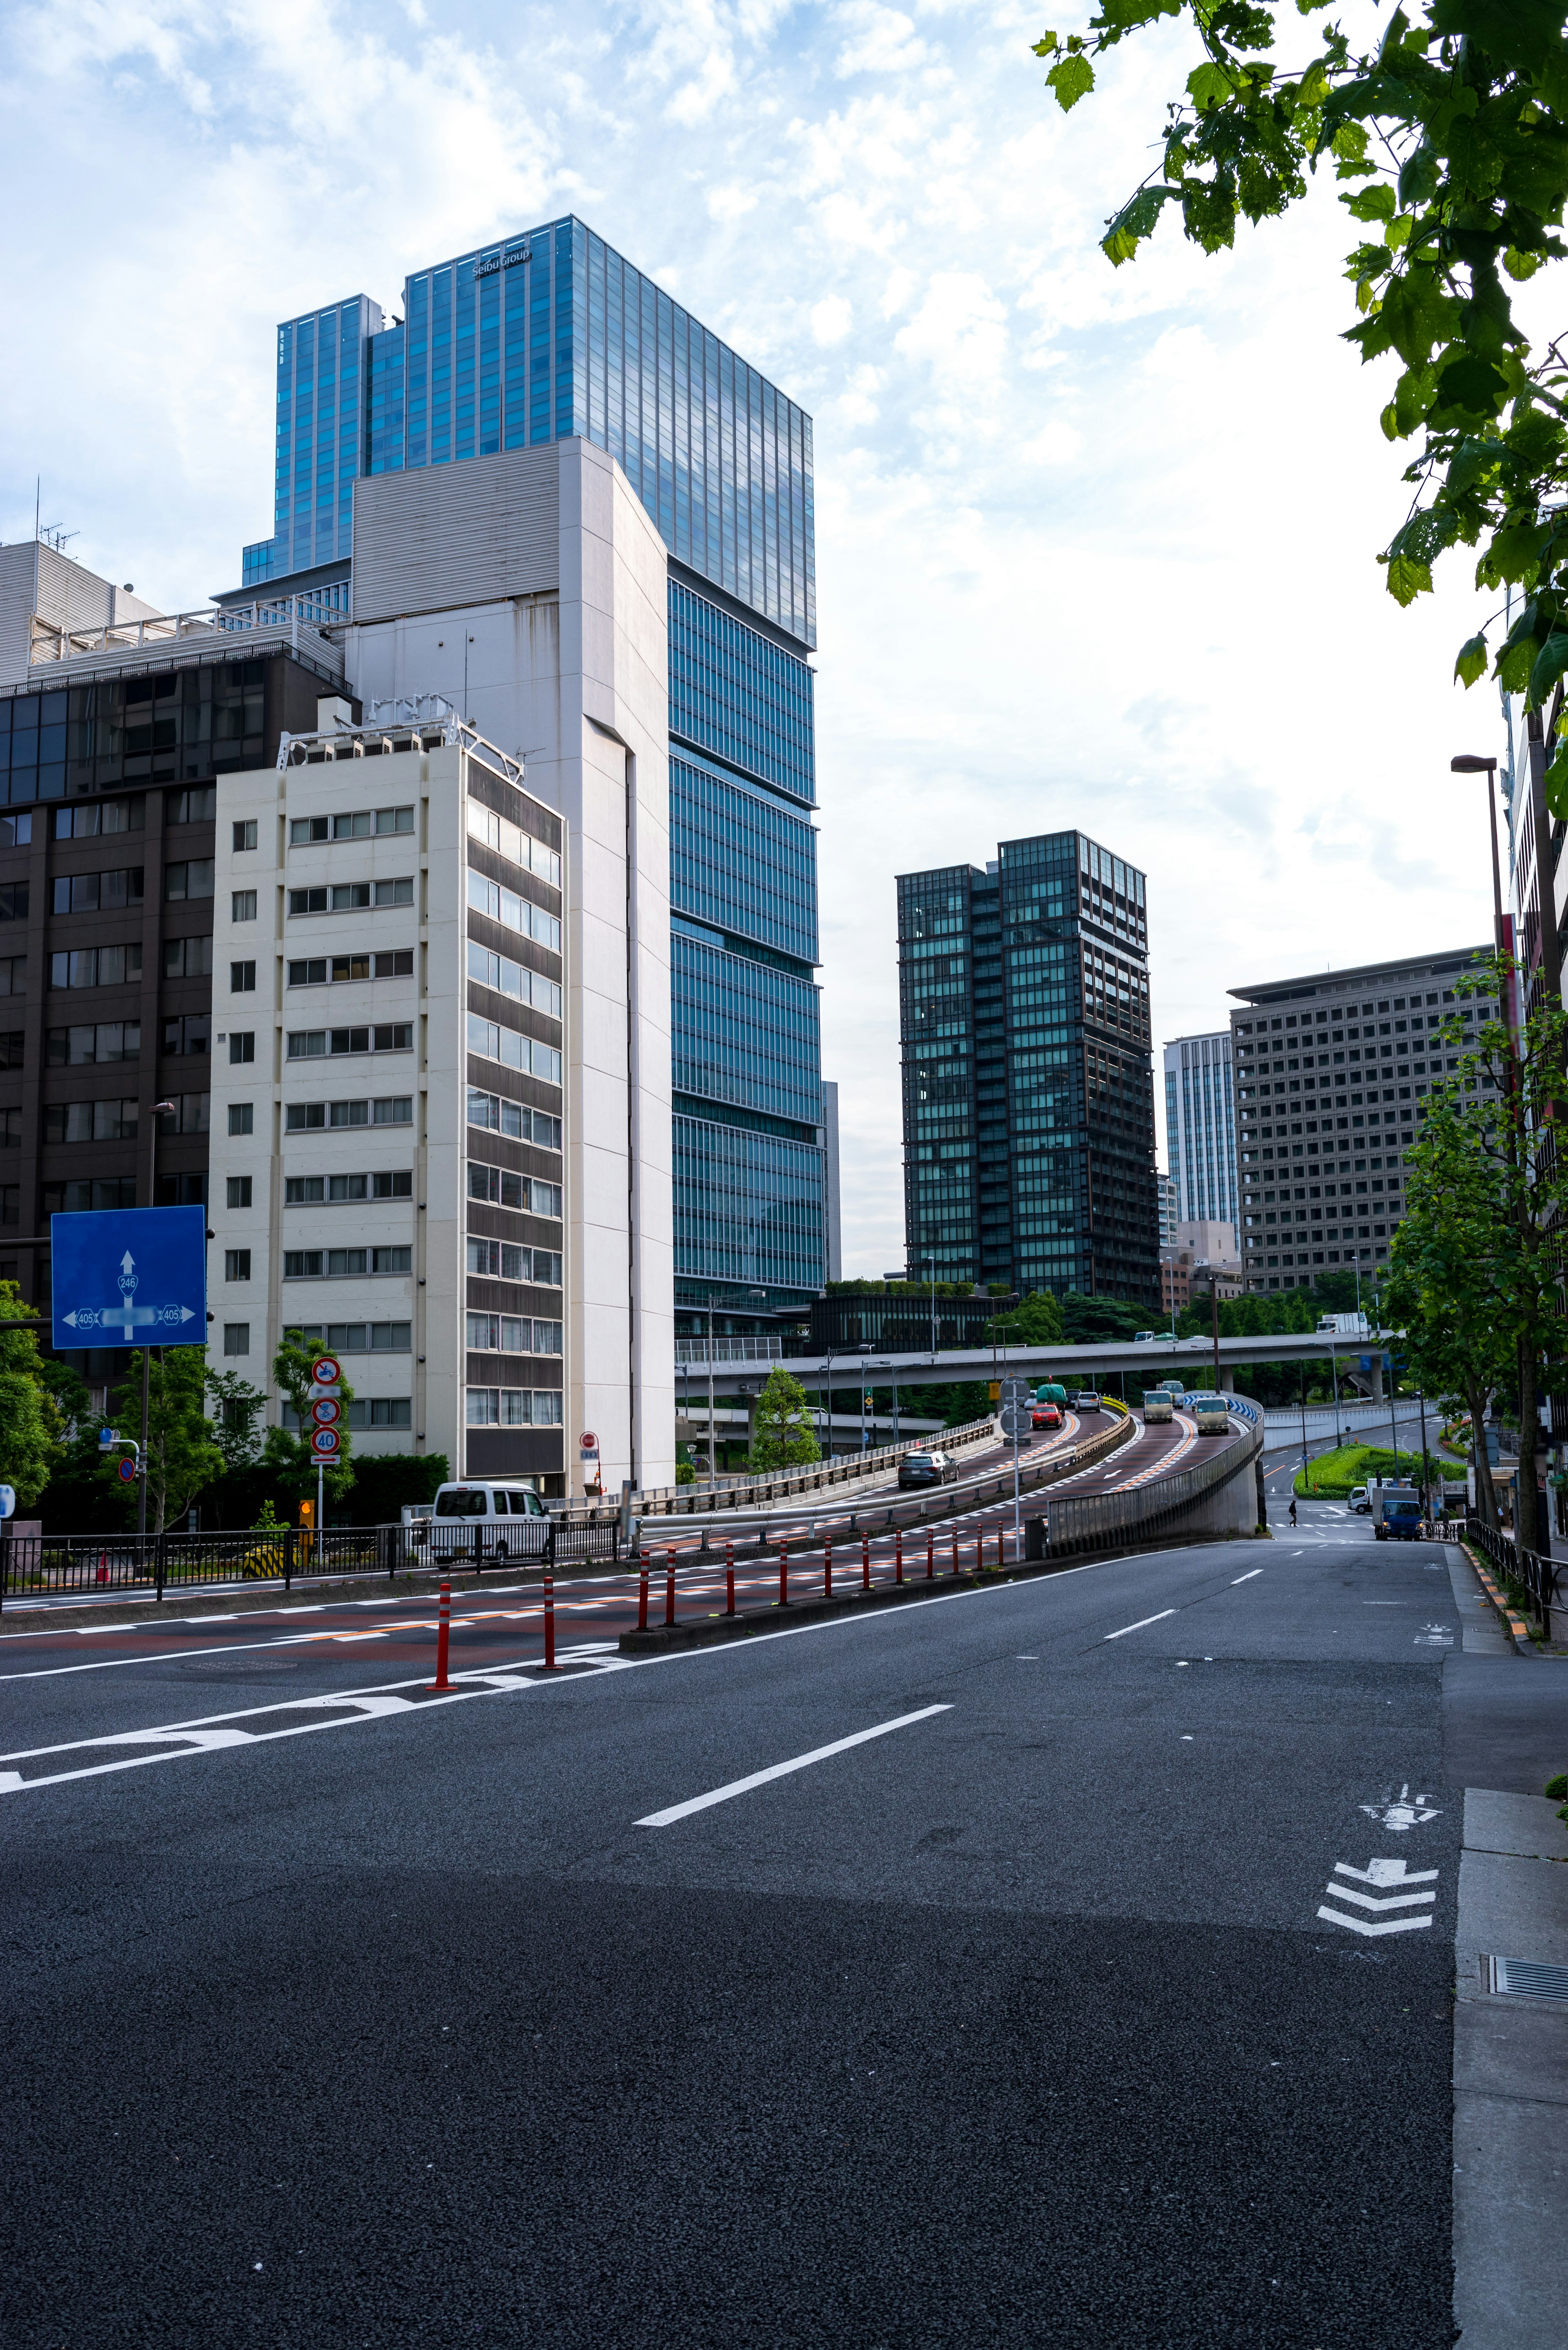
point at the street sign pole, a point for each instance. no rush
(1015, 1400)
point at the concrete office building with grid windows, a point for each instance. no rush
(1331, 1072)
(1027, 1089)
(493, 358)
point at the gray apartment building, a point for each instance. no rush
(1330, 1073)
(1028, 1099)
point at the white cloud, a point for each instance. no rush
(831, 319)
(882, 40)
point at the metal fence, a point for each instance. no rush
(163, 1565)
(1539, 1578)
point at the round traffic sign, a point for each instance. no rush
(325, 1411)
(326, 1370)
(588, 1441)
(128, 1471)
(7, 1501)
(324, 1440)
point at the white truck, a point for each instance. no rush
(1344, 1325)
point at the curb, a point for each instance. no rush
(1517, 1629)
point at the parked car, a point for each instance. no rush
(477, 1501)
(476, 1519)
(1360, 1500)
(927, 1467)
(1045, 1415)
(1086, 1400)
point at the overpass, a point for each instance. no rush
(1071, 1367)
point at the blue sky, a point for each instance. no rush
(1094, 547)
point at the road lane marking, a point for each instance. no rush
(782, 1769)
(1140, 1625)
(1245, 1578)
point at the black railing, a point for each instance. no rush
(162, 1566)
(1539, 1578)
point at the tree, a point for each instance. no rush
(234, 1430)
(1478, 1260)
(782, 1434)
(1099, 1321)
(31, 1425)
(1038, 1322)
(181, 1456)
(288, 1453)
(1450, 138)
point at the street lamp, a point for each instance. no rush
(159, 1109)
(1470, 762)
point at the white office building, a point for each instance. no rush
(1201, 1129)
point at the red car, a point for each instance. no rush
(1045, 1415)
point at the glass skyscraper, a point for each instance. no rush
(548, 335)
(1201, 1129)
(1028, 1095)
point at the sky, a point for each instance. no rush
(1096, 547)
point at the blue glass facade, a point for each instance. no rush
(548, 335)
(1028, 1095)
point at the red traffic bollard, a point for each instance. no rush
(864, 1561)
(669, 1586)
(899, 1555)
(783, 1574)
(444, 1638)
(827, 1566)
(642, 1598)
(729, 1578)
(550, 1664)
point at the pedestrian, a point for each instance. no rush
(1293, 1509)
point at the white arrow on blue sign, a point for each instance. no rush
(131, 1272)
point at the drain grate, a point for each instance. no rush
(1526, 1979)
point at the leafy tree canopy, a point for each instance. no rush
(1039, 1321)
(1450, 140)
(31, 1424)
(1101, 1321)
(182, 1457)
(782, 1435)
(236, 1425)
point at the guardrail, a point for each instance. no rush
(773, 1485)
(48, 1566)
(1540, 1578)
(1082, 1522)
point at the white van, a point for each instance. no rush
(476, 1518)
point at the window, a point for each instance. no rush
(239, 1192)
(322, 971)
(517, 914)
(182, 958)
(198, 806)
(15, 831)
(510, 978)
(236, 1338)
(14, 973)
(513, 1333)
(14, 901)
(493, 1043)
(347, 896)
(191, 880)
(10, 1204)
(12, 1044)
(509, 840)
(242, 1046)
(91, 893)
(499, 1185)
(242, 979)
(236, 1264)
(242, 905)
(506, 1260)
(361, 824)
(311, 1044)
(244, 834)
(335, 1264)
(90, 1121)
(189, 1115)
(109, 1040)
(308, 1118)
(513, 1408)
(103, 817)
(241, 1117)
(503, 1117)
(334, 1190)
(190, 1033)
(89, 1197)
(10, 1130)
(357, 1337)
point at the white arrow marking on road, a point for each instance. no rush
(1408, 1812)
(1386, 1873)
(1389, 1924)
(781, 1770)
(1391, 1901)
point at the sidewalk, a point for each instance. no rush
(1511, 2071)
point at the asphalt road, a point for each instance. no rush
(366, 2017)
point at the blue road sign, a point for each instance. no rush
(130, 1277)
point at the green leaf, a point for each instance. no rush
(1551, 662)
(1557, 784)
(1408, 578)
(1046, 46)
(1072, 78)
(1133, 224)
(1514, 664)
(1520, 266)
(1419, 178)
(1397, 232)
(1471, 662)
(1514, 554)
(1209, 85)
(1371, 203)
(1473, 385)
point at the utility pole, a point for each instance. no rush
(159, 1109)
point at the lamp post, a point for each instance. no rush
(865, 1375)
(159, 1109)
